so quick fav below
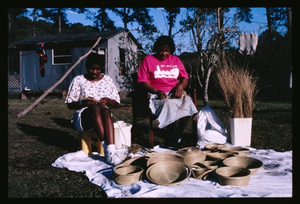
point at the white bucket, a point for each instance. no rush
(122, 134)
(240, 131)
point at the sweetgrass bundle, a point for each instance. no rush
(239, 87)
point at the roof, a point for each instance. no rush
(92, 36)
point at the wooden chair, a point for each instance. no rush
(140, 109)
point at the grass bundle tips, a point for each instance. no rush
(239, 87)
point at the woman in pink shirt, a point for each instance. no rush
(164, 76)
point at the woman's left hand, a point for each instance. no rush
(177, 92)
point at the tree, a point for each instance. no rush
(210, 31)
(102, 21)
(171, 17)
(138, 15)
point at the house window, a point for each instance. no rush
(122, 70)
(61, 56)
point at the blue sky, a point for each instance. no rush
(258, 25)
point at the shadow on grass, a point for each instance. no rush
(64, 122)
(50, 136)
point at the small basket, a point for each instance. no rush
(192, 155)
(127, 174)
(200, 171)
(221, 155)
(163, 156)
(240, 150)
(244, 162)
(233, 175)
(213, 164)
(168, 173)
(214, 146)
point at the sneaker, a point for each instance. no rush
(116, 157)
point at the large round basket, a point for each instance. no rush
(240, 150)
(244, 162)
(233, 175)
(168, 173)
(192, 155)
(163, 156)
(127, 174)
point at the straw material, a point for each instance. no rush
(192, 155)
(168, 173)
(127, 174)
(240, 150)
(163, 156)
(244, 162)
(214, 146)
(233, 176)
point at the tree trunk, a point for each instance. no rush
(289, 19)
(270, 27)
(220, 13)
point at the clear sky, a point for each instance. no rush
(258, 25)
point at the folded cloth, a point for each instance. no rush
(274, 179)
(171, 109)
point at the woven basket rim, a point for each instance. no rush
(155, 166)
(121, 170)
(232, 168)
(164, 156)
(214, 146)
(252, 169)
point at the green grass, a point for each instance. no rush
(45, 133)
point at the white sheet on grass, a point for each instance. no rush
(273, 180)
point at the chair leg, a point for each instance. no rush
(86, 145)
(151, 136)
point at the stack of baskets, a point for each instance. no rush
(230, 164)
(235, 168)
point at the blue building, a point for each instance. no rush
(119, 47)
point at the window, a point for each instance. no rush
(61, 56)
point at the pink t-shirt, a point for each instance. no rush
(163, 75)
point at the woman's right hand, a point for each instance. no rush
(160, 94)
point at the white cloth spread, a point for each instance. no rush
(274, 179)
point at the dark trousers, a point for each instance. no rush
(175, 130)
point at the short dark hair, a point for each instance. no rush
(162, 41)
(94, 58)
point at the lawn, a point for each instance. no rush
(45, 133)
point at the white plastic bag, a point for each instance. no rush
(209, 128)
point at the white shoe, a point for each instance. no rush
(116, 157)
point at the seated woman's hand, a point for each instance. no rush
(161, 95)
(177, 92)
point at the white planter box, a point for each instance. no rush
(122, 134)
(240, 131)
